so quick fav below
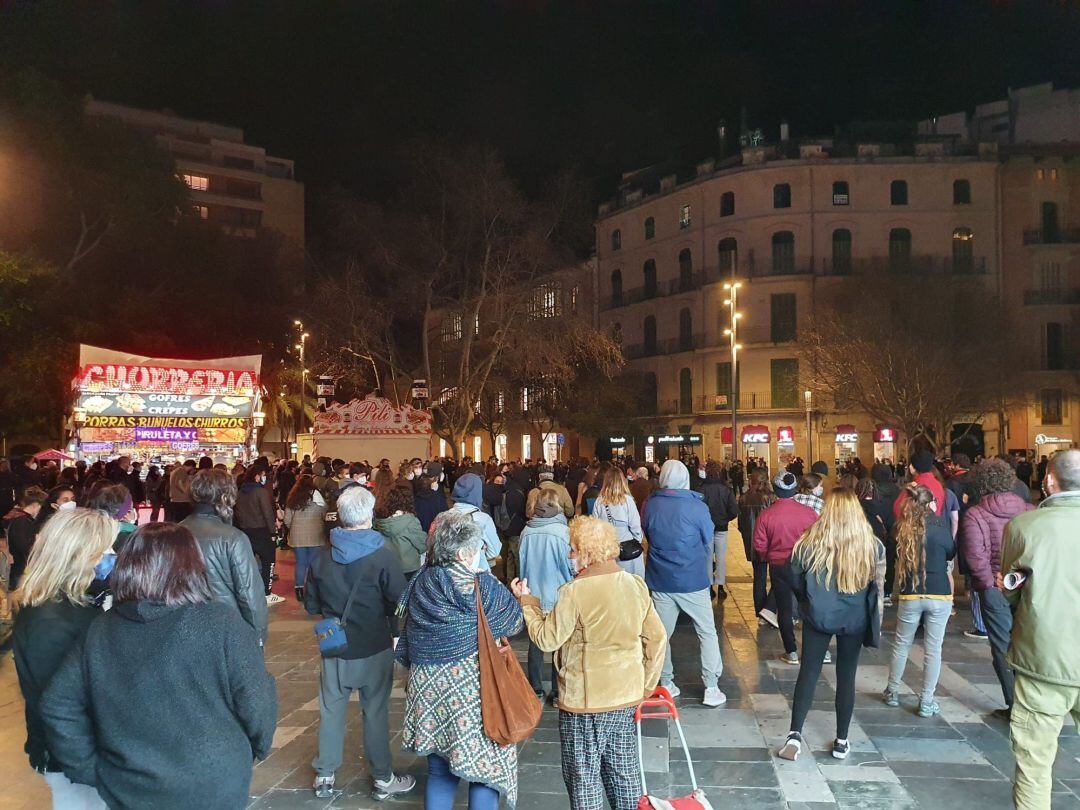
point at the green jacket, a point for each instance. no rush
(406, 537)
(1045, 545)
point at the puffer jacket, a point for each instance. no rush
(405, 537)
(610, 641)
(230, 566)
(981, 531)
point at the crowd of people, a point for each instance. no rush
(593, 561)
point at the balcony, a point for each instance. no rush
(637, 351)
(906, 265)
(1050, 297)
(636, 295)
(749, 402)
(1051, 236)
(779, 267)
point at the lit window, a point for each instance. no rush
(1040, 174)
(196, 182)
(1054, 175)
(546, 302)
(840, 193)
(451, 328)
(526, 446)
(201, 212)
(525, 400)
(477, 447)
(684, 216)
(573, 299)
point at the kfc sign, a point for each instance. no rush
(756, 434)
(885, 435)
(785, 435)
(846, 434)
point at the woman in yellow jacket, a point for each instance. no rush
(609, 648)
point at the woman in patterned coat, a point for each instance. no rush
(439, 644)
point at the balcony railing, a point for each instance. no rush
(637, 351)
(1054, 296)
(749, 402)
(636, 295)
(1051, 236)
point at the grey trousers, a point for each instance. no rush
(719, 558)
(698, 606)
(373, 678)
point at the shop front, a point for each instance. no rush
(885, 445)
(847, 444)
(785, 446)
(164, 410)
(672, 445)
(755, 442)
(620, 446)
(725, 443)
(1047, 444)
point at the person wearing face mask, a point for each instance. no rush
(61, 498)
(27, 475)
(430, 500)
(255, 516)
(20, 526)
(54, 612)
(115, 501)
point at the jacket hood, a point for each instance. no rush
(395, 523)
(143, 611)
(677, 493)
(469, 489)
(1004, 505)
(674, 475)
(350, 545)
(537, 522)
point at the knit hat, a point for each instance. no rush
(547, 510)
(545, 470)
(923, 461)
(785, 485)
(821, 468)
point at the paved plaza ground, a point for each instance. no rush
(960, 759)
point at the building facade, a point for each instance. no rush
(233, 184)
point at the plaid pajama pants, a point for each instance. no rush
(599, 757)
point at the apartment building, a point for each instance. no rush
(233, 184)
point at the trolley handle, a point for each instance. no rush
(661, 706)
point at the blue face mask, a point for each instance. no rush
(105, 567)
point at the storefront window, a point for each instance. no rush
(847, 443)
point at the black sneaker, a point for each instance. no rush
(299, 594)
(840, 749)
(792, 747)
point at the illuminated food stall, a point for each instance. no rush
(372, 428)
(165, 409)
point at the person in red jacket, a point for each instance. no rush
(922, 468)
(778, 529)
(981, 531)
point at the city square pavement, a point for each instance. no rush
(960, 759)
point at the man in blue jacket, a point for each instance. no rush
(680, 532)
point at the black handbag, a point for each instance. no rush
(872, 634)
(628, 549)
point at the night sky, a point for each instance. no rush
(604, 86)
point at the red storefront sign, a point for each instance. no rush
(785, 435)
(847, 433)
(756, 434)
(166, 380)
(885, 435)
(725, 435)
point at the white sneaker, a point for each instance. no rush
(274, 599)
(714, 697)
(673, 690)
(828, 657)
(393, 786)
(770, 617)
(790, 658)
(324, 787)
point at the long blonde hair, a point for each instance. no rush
(840, 544)
(61, 564)
(911, 536)
(615, 489)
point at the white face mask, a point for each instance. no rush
(700, 473)
(574, 566)
(65, 506)
(435, 487)
(362, 479)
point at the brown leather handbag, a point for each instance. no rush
(508, 704)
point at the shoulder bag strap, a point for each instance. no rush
(349, 601)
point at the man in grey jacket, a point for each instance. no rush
(230, 562)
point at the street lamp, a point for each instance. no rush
(732, 333)
(808, 396)
(301, 346)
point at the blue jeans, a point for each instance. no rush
(934, 613)
(442, 785)
(304, 556)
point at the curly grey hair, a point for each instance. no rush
(216, 488)
(454, 534)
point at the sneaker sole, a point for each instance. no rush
(714, 705)
(838, 755)
(791, 756)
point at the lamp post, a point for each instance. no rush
(808, 396)
(78, 419)
(732, 302)
(303, 372)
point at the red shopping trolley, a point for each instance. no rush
(660, 706)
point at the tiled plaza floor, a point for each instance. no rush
(960, 759)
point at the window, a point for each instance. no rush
(1050, 406)
(648, 393)
(686, 270)
(899, 250)
(1055, 351)
(840, 193)
(442, 448)
(546, 301)
(500, 446)
(728, 252)
(574, 291)
(650, 228)
(727, 204)
(616, 288)
(476, 325)
(526, 446)
(1050, 276)
(684, 216)
(963, 257)
(196, 182)
(649, 271)
(451, 328)
(477, 448)
(785, 383)
(686, 330)
(724, 391)
(781, 195)
(961, 192)
(616, 239)
(616, 333)
(1040, 174)
(525, 399)
(686, 392)
(649, 329)
(898, 192)
(1053, 175)
(783, 317)
(243, 217)
(1051, 233)
(783, 253)
(841, 252)
(201, 212)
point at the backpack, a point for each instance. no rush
(502, 515)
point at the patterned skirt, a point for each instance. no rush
(442, 716)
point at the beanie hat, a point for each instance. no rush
(545, 470)
(923, 461)
(821, 468)
(785, 485)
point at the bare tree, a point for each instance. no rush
(920, 352)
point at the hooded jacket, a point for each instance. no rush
(428, 503)
(680, 533)
(357, 558)
(155, 694)
(544, 556)
(981, 531)
(230, 565)
(406, 537)
(468, 499)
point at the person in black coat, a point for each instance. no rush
(429, 500)
(166, 703)
(54, 614)
(723, 508)
(20, 526)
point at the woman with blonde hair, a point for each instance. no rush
(924, 547)
(609, 660)
(616, 505)
(834, 566)
(54, 612)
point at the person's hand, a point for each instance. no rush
(999, 581)
(520, 588)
